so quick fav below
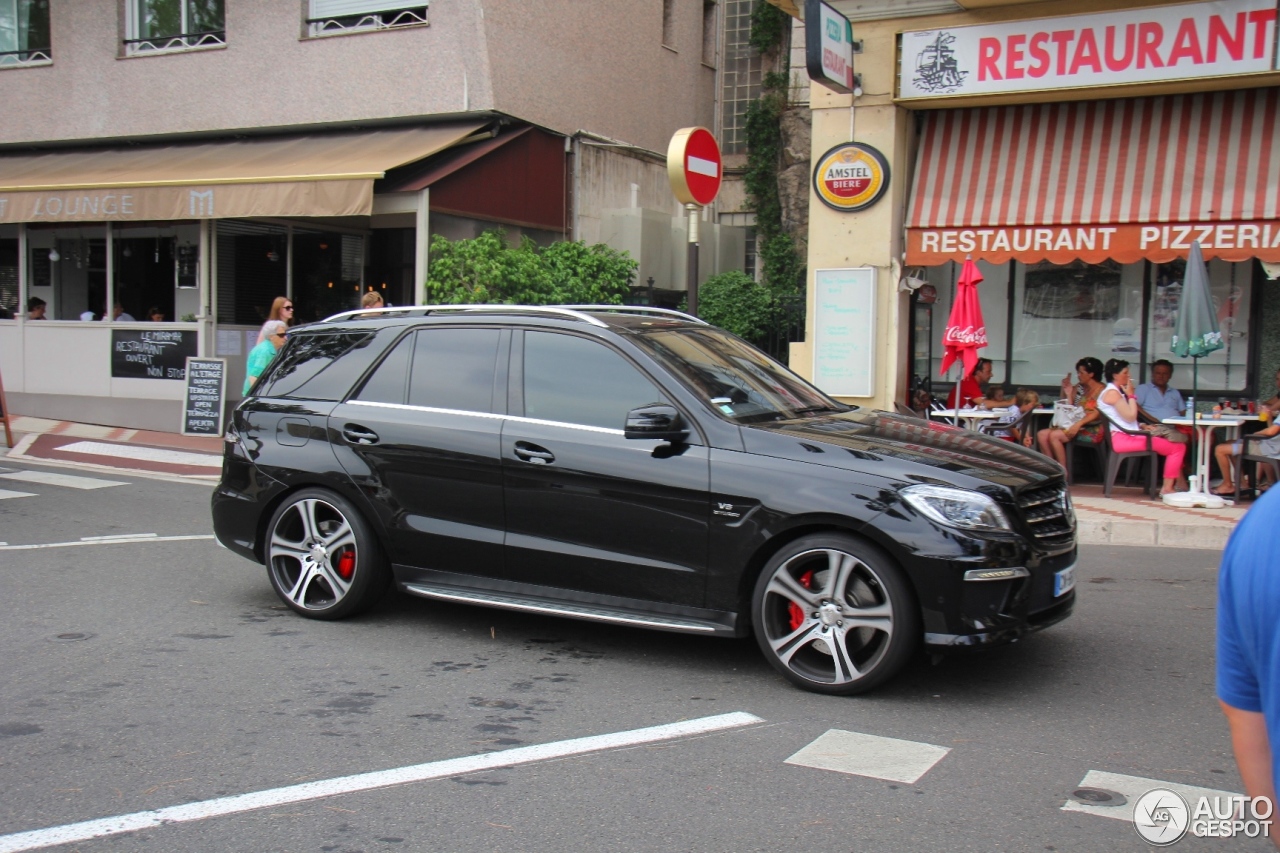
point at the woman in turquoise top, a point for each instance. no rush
(261, 355)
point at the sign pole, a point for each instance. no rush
(692, 260)
(4, 415)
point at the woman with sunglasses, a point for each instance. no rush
(262, 355)
(281, 311)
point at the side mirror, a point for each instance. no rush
(656, 420)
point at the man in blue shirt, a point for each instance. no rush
(1156, 398)
(1249, 645)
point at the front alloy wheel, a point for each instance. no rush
(322, 558)
(834, 615)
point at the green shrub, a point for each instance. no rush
(735, 302)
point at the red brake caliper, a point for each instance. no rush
(795, 611)
(347, 564)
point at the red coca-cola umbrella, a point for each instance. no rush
(966, 332)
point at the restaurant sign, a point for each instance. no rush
(1126, 243)
(1187, 41)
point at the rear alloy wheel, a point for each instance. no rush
(834, 615)
(322, 557)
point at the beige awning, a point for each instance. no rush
(328, 174)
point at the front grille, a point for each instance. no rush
(1046, 511)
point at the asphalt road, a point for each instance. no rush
(142, 675)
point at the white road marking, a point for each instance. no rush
(50, 478)
(149, 454)
(141, 537)
(869, 755)
(703, 166)
(6, 494)
(71, 833)
(118, 536)
(1133, 787)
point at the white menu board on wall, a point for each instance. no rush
(845, 331)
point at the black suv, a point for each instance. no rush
(639, 467)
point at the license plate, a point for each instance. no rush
(1064, 581)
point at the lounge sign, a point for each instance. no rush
(1193, 40)
(1126, 243)
(213, 201)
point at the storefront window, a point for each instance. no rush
(67, 268)
(156, 271)
(252, 270)
(8, 272)
(1042, 318)
(327, 273)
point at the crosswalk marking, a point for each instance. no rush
(49, 478)
(5, 494)
(150, 454)
(1133, 787)
(870, 755)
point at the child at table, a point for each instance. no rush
(1024, 401)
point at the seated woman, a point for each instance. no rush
(1226, 452)
(1053, 441)
(1118, 403)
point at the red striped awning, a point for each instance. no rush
(1091, 180)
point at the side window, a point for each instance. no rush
(156, 26)
(305, 359)
(579, 381)
(334, 17)
(453, 369)
(390, 381)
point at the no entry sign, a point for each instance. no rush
(693, 166)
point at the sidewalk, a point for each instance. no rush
(1126, 518)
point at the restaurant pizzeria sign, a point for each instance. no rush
(1192, 40)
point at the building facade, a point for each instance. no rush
(195, 159)
(1073, 150)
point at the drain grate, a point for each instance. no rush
(1098, 797)
(71, 636)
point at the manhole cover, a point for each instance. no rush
(1098, 797)
(70, 636)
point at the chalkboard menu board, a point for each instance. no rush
(845, 331)
(151, 354)
(202, 401)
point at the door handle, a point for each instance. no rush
(357, 434)
(534, 454)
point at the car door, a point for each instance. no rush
(586, 508)
(421, 439)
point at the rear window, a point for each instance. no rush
(320, 367)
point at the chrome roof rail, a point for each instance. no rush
(639, 309)
(425, 310)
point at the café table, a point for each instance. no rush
(1198, 494)
(971, 417)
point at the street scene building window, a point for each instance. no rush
(336, 17)
(24, 33)
(162, 26)
(1058, 314)
(669, 23)
(709, 32)
(740, 73)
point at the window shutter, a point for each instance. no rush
(341, 8)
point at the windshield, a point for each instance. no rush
(734, 378)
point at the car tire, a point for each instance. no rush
(833, 592)
(322, 558)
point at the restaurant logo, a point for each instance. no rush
(851, 177)
(937, 71)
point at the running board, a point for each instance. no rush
(559, 608)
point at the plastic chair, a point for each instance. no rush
(1238, 463)
(903, 409)
(995, 427)
(1101, 448)
(1117, 457)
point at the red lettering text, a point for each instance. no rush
(1013, 60)
(1260, 18)
(1123, 62)
(1150, 34)
(1086, 52)
(1186, 44)
(1037, 51)
(1063, 39)
(1220, 35)
(988, 57)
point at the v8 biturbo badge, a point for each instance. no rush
(851, 177)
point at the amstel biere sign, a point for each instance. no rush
(851, 176)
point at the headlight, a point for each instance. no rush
(956, 507)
